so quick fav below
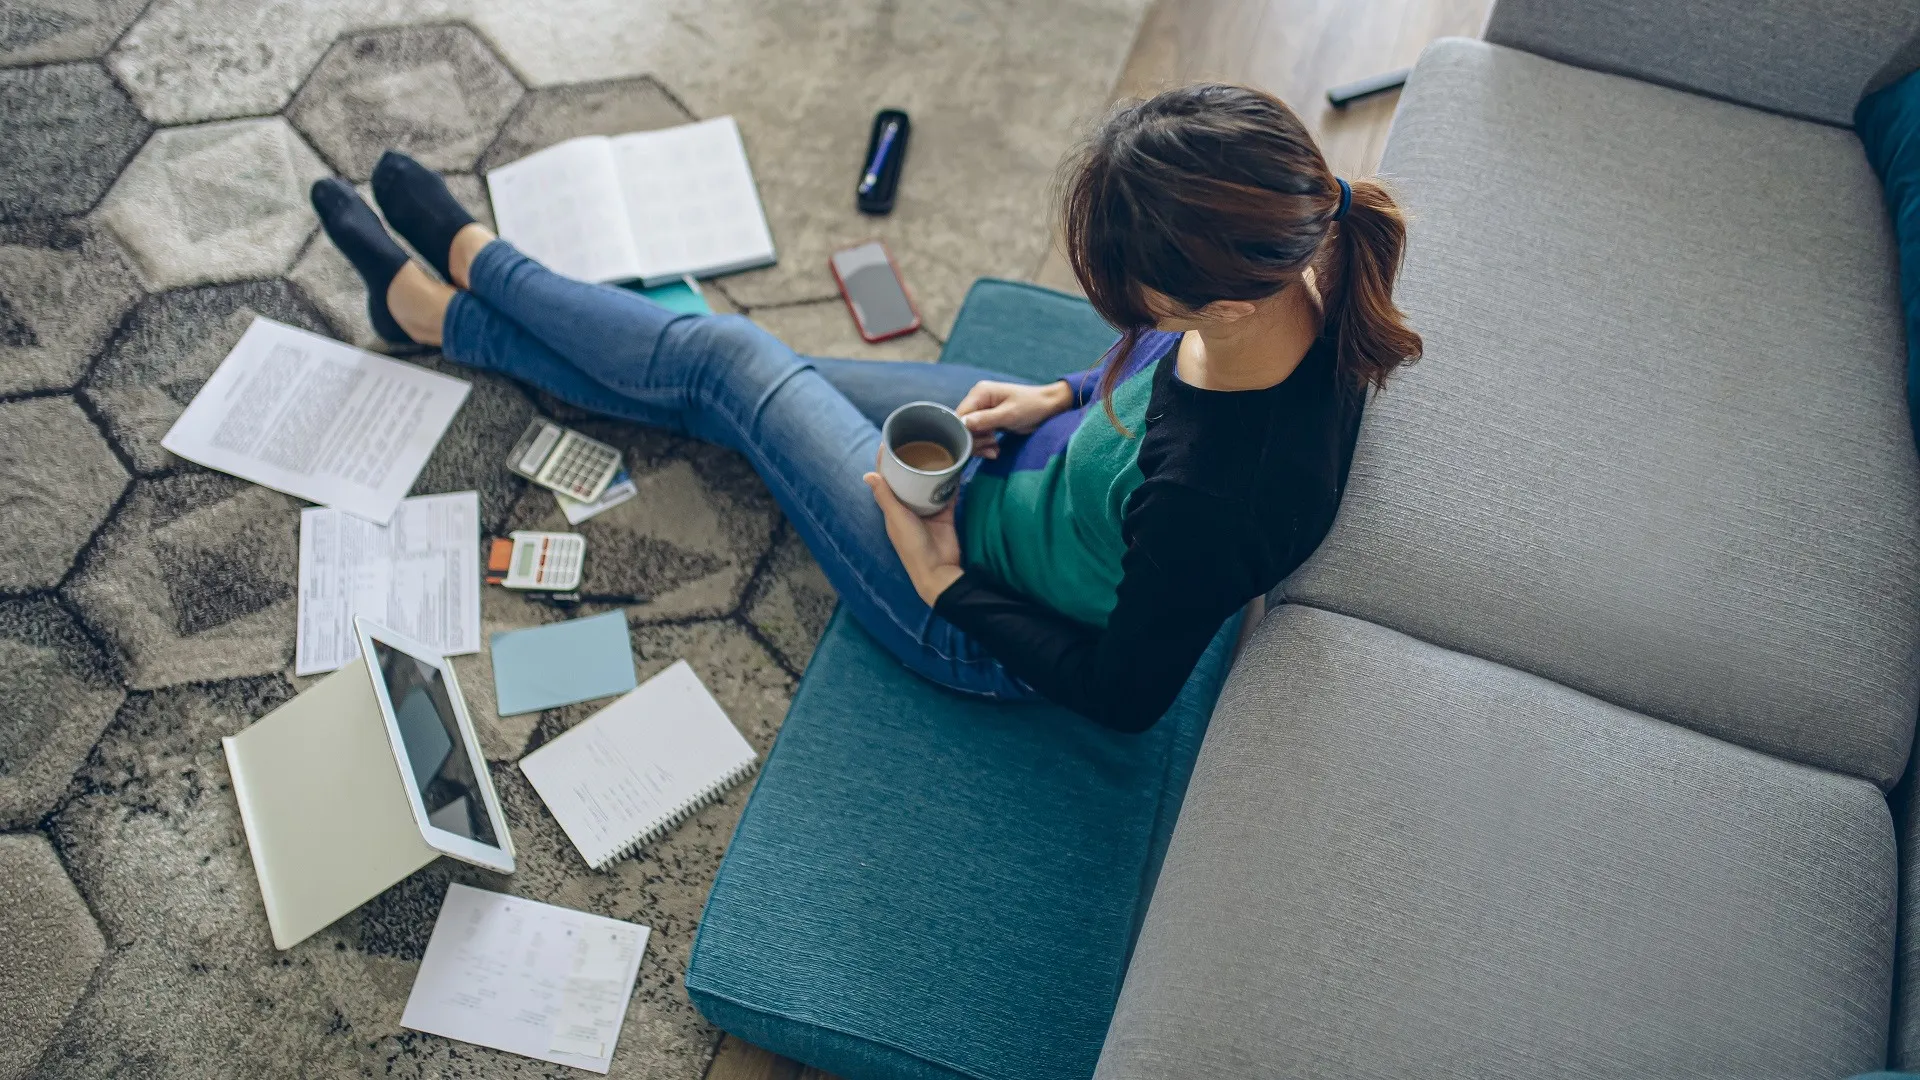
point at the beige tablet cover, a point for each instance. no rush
(325, 810)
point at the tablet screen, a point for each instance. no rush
(442, 768)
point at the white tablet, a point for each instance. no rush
(445, 774)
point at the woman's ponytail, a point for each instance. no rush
(1363, 259)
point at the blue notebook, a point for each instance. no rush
(549, 666)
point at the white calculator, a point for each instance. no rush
(564, 460)
(545, 560)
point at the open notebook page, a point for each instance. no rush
(691, 198)
(563, 207)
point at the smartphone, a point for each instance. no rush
(874, 292)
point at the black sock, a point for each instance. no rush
(356, 230)
(419, 206)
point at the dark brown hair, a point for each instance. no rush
(1215, 192)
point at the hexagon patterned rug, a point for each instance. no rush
(153, 169)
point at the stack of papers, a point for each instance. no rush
(419, 575)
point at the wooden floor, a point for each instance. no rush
(1295, 49)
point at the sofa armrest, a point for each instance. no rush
(1806, 58)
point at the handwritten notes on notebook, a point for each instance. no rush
(525, 977)
(625, 775)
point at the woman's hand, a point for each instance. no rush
(928, 547)
(997, 406)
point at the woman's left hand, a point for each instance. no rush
(929, 547)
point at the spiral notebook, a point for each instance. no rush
(627, 774)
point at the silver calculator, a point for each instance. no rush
(564, 460)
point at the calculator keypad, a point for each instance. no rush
(580, 468)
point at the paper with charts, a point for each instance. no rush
(418, 574)
(525, 977)
(317, 419)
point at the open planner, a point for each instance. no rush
(640, 766)
(650, 207)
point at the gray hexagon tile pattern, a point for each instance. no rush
(69, 130)
(58, 480)
(142, 619)
(194, 580)
(791, 600)
(168, 348)
(63, 286)
(996, 96)
(155, 841)
(52, 949)
(38, 31)
(436, 92)
(687, 544)
(60, 691)
(472, 453)
(216, 202)
(190, 60)
(613, 107)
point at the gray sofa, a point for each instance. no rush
(1570, 752)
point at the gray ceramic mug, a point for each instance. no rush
(925, 449)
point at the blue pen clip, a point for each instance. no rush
(879, 163)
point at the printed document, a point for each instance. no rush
(525, 977)
(317, 419)
(419, 575)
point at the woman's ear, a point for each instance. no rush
(1227, 311)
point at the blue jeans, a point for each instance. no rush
(810, 426)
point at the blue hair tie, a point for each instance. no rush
(1346, 199)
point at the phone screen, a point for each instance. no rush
(879, 301)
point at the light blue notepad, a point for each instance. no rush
(548, 666)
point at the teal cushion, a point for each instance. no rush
(928, 885)
(1888, 122)
(1026, 330)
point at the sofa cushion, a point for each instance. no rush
(1888, 121)
(1395, 860)
(926, 885)
(1810, 58)
(1658, 447)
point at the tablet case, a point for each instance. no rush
(326, 814)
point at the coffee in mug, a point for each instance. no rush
(926, 451)
(925, 455)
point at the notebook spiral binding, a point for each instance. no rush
(702, 799)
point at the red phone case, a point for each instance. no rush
(848, 300)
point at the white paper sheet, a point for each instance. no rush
(529, 978)
(314, 418)
(563, 207)
(419, 575)
(618, 491)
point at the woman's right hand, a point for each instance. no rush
(992, 407)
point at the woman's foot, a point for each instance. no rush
(420, 208)
(354, 228)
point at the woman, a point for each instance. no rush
(1121, 515)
